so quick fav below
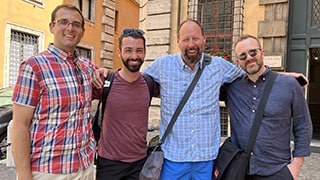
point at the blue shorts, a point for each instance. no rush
(187, 170)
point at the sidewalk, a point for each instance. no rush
(7, 173)
(310, 169)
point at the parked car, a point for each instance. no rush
(5, 118)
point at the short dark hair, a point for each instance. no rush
(134, 35)
(190, 20)
(246, 36)
(66, 6)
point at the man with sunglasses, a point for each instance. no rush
(52, 136)
(122, 148)
(286, 113)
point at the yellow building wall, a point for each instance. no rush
(23, 14)
(128, 17)
(253, 13)
(27, 15)
(93, 30)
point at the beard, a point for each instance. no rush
(133, 68)
(252, 69)
(194, 58)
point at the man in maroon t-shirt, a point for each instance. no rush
(122, 148)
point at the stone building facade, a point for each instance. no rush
(288, 30)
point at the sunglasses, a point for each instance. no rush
(251, 52)
(130, 31)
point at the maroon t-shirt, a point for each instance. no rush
(125, 122)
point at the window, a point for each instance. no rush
(22, 46)
(116, 21)
(224, 116)
(315, 13)
(87, 7)
(216, 18)
(21, 43)
(84, 52)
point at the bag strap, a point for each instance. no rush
(150, 82)
(106, 89)
(259, 115)
(206, 61)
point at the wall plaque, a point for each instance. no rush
(274, 61)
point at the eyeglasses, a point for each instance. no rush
(251, 52)
(130, 31)
(64, 23)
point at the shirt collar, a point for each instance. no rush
(183, 65)
(262, 77)
(62, 54)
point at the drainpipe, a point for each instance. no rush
(179, 11)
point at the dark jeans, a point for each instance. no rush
(117, 170)
(283, 174)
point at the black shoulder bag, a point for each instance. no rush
(232, 162)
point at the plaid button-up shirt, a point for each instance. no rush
(58, 86)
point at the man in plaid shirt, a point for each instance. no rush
(51, 133)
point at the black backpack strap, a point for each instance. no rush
(150, 82)
(97, 124)
(106, 89)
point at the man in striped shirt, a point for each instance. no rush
(51, 133)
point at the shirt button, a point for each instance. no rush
(192, 130)
(253, 110)
(251, 153)
(254, 86)
(254, 98)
